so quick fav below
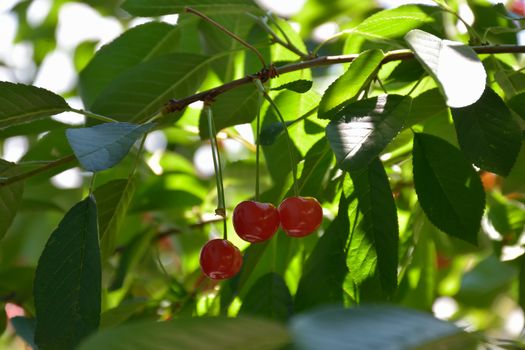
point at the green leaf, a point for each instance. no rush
(377, 327)
(218, 333)
(118, 315)
(447, 187)
(521, 282)
(427, 105)
(150, 8)
(488, 134)
(25, 329)
(271, 132)
(483, 283)
(396, 22)
(365, 128)
(348, 86)
(10, 196)
(3, 318)
(141, 91)
(138, 44)
(25, 103)
(237, 106)
(102, 146)
(300, 86)
(325, 270)
(317, 163)
(454, 66)
(269, 297)
(67, 285)
(113, 200)
(517, 104)
(373, 243)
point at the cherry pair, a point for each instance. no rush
(257, 222)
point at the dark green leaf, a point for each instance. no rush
(348, 86)
(317, 163)
(25, 103)
(448, 188)
(217, 333)
(300, 86)
(113, 200)
(517, 104)
(271, 132)
(396, 22)
(455, 67)
(374, 241)
(488, 134)
(234, 107)
(10, 196)
(325, 269)
(485, 281)
(377, 327)
(25, 329)
(141, 91)
(68, 280)
(102, 146)
(151, 8)
(3, 318)
(139, 44)
(268, 297)
(365, 128)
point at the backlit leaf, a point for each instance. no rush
(10, 196)
(151, 8)
(348, 86)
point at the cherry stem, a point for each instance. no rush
(227, 31)
(257, 138)
(288, 138)
(221, 210)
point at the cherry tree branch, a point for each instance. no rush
(179, 104)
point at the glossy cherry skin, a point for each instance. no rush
(300, 216)
(254, 221)
(220, 259)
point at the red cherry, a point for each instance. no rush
(220, 259)
(254, 221)
(300, 216)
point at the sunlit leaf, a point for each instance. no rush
(488, 134)
(455, 67)
(396, 22)
(68, 280)
(448, 188)
(347, 87)
(102, 146)
(377, 327)
(218, 333)
(25, 103)
(365, 128)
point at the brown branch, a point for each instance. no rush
(177, 105)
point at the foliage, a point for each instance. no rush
(407, 125)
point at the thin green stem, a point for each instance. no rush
(221, 210)
(227, 31)
(288, 138)
(258, 141)
(94, 115)
(137, 158)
